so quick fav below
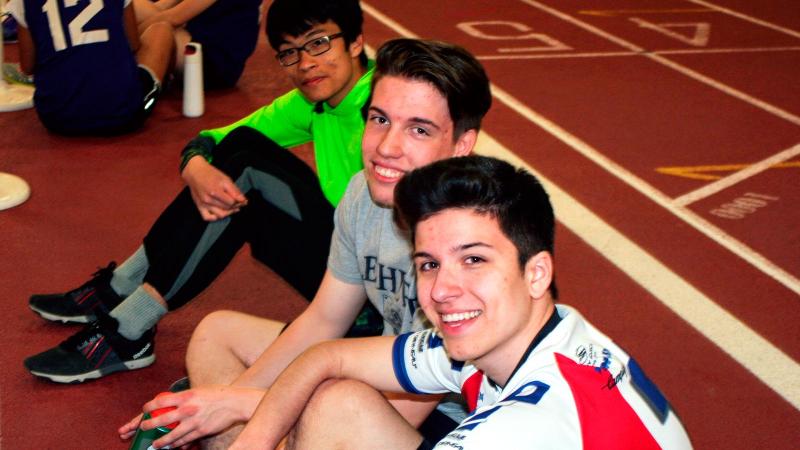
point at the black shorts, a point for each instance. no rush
(150, 88)
(435, 428)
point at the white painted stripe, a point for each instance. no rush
(736, 177)
(765, 361)
(388, 21)
(688, 51)
(756, 354)
(774, 110)
(703, 226)
(558, 55)
(747, 18)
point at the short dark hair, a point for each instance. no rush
(452, 70)
(488, 186)
(295, 17)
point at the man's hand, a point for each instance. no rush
(214, 193)
(201, 411)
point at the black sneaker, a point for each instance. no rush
(79, 305)
(93, 352)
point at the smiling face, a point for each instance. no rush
(408, 126)
(329, 76)
(471, 287)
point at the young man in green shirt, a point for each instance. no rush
(242, 186)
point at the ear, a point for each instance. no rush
(357, 46)
(539, 274)
(465, 143)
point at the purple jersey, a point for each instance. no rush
(85, 73)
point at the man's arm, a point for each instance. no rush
(131, 31)
(210, 410)
(178, 14)
(368, 360)
(330, 314)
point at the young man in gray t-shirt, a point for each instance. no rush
(427, 104)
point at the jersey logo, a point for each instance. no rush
(530, 392)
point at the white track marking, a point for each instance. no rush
(687, 51)
(736, 177)
(765, 361)
(774, 110)
(747, 18)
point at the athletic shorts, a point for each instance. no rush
(150, 88)
(435, 428)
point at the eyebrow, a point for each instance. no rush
(456, 249)
(418, 120)
(306, 37)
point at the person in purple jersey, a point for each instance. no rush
(227, 30)
(94, 72)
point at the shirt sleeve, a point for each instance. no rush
(17, 9)
(421, 364)
(287, 121)
(343, 258)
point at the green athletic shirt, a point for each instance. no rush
(290, 120)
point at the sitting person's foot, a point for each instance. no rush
(79, 305)
(94, 352)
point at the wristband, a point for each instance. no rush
(191, 153)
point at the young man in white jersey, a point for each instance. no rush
(534, 374)
(428, 99)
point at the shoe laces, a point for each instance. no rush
(87, 335)
(107, 271)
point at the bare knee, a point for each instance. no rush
(160, 30)
(211, 332)
(348, 414)
(332, 400)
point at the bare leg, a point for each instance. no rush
(222, 347)
(157, 49)
(347, 414)
(225, 344)
(144, 10)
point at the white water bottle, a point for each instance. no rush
(193, 97)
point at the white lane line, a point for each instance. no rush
(705, 227)
(748, 348)
(765, 361)
(736, 177)
(626, 53)
(772, 109)
(747, 18)
(690, 51)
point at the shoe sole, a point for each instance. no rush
(94, 374)
(63, 319)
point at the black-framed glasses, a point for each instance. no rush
(314, 47)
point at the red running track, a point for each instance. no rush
(677, 126)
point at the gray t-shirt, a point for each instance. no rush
(368, 249)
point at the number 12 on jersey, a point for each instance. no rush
(77, 35)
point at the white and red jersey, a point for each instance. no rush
(573, 389)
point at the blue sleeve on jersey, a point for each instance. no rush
(649, 391)
(398, 361)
